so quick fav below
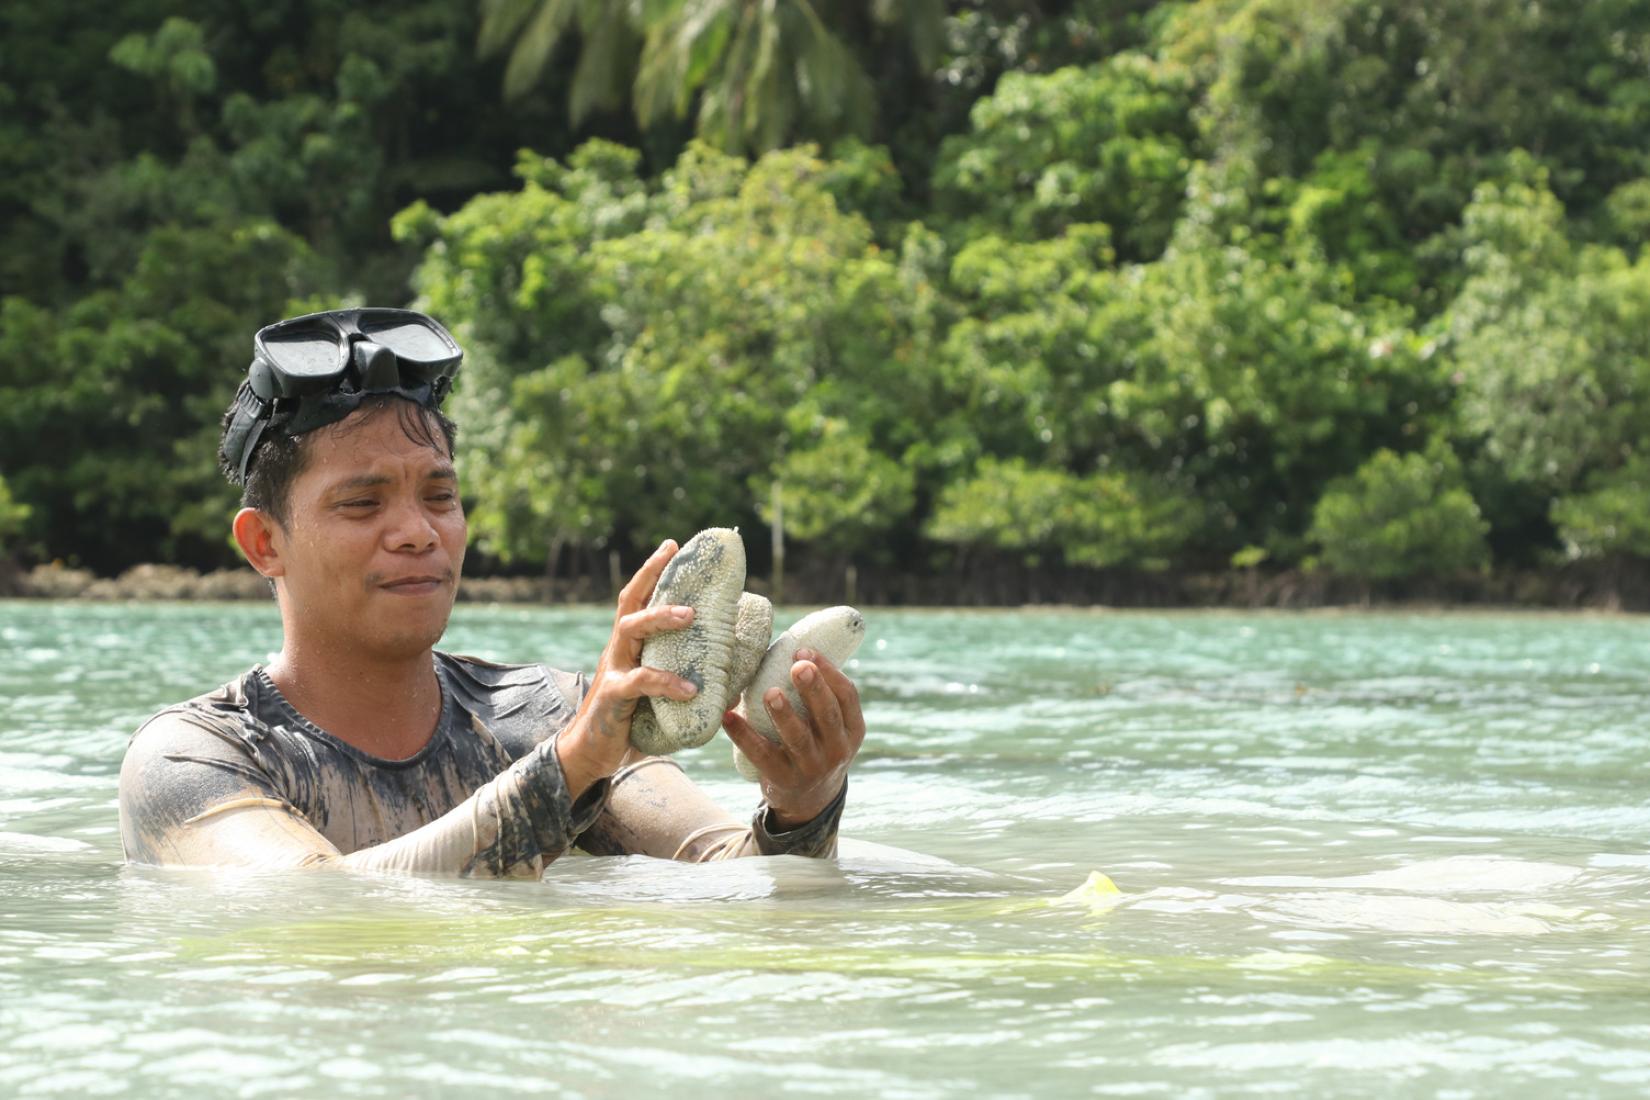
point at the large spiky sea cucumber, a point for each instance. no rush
(707, 574)
(752, 630)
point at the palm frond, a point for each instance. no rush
(533, 50)
(500, 22)
(834, 91)
(924, 29)
(607, 63)
(678, 55)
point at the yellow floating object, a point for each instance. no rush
(1097, 892)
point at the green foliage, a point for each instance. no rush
(175, 56)
(765, 73)
(1430, 98)
(864, 180)
(1099, 520)
(1550, 344)
(173, 179)
(1612, 517)
(1457, 83)
(1337, 212)
(1255, 380)
(1110, 281)
(753, 75)
(1109, 143)
(1223, 369)
(758, 71)
(12, 515)
(838, 492)
(128, 386)
(517, 270)
(531, 30)
(1401, 516)
(1022, 370)
(1628, 213)
(702, 307)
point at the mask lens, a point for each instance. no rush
(410, 341)
(305, 354)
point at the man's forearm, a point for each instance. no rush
(654, 809)
(511, 827)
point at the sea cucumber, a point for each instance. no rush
(707, 574)
(835, 633)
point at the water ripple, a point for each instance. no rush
(1355, 855)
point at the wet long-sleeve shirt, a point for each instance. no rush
(238, 776)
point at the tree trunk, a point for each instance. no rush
(552, 560)
(777, 531)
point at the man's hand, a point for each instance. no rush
(805, 769)
(595, 742)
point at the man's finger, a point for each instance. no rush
(847, 694)
(768, 757)
(794, 733)
(824, 713)
(649, 621)
(635, 595)
(637, 682)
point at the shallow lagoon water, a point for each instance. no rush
(1356, 854)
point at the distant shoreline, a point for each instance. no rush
(1614, 587)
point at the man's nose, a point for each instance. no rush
(411, 528)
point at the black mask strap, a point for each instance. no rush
(246, 429)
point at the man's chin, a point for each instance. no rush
(409, 635)
(405, 647)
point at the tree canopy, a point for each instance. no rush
(1100, 283)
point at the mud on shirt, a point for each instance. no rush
(238, 776)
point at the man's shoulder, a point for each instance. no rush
(492, 677)
(490, 672)
(224, 708)
(209, 729)
(526, 698)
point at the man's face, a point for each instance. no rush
(374, 539)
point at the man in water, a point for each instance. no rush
(362, 746)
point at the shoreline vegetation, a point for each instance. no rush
(1580, 586)
(1130, 302)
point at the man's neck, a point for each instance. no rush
(385, 708)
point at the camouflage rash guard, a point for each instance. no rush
(238, 776)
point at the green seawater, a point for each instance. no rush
(1356, 855)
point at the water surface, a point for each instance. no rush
(1356, 855)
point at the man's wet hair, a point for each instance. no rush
(280, 458)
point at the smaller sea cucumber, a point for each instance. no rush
(835, 633)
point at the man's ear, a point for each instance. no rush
(255, 533)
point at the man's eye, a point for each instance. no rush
(364, 503)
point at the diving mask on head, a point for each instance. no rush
(315, 370)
